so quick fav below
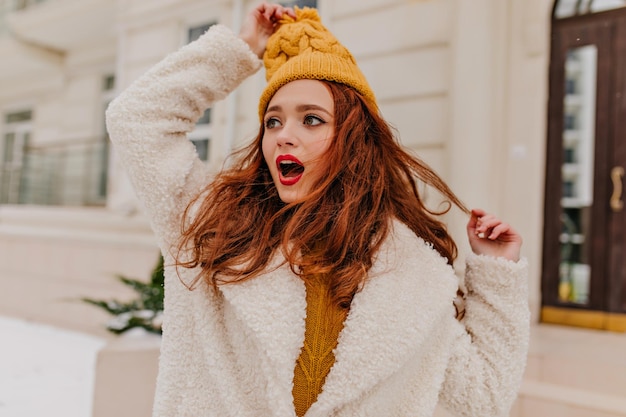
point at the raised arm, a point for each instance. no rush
(148, 122)
(489, 354)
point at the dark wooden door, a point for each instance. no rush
(584, 248)
(617, 212)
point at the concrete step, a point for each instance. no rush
(540, 399)
(572, 372)
(581, 359)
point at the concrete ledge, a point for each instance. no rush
(52, 257)
(126, 371)
(84, 224)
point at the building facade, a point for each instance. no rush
(469, 86)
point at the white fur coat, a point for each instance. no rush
(233, 354)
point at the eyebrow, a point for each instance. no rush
(301, 108)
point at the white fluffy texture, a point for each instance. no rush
(401, 349)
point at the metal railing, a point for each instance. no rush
(71, 173)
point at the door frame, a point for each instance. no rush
(606, 305)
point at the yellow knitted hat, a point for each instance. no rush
(304, 49)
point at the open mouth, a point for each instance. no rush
(290, 169)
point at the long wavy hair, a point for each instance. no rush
(239, 220)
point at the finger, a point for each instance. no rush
(475, 221)
(505, 233)
(485, 225)
(274, 12)
(499, 231)
(290, 12)
(482, 224)
(472, 222)
(487, 222)
(263, 7)
(485, 218)
(268, 10)
(478, 212)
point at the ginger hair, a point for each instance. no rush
(241, 221)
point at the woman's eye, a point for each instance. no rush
(271, 123)
(313, 120)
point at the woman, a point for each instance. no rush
(310, 278)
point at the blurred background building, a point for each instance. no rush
(519, 104)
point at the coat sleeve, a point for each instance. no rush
(148, 123)
(489, 353)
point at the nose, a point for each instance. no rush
(286, 135)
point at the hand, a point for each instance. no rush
(488, 235)
(261, 23)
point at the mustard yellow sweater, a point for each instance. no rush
(324, 321)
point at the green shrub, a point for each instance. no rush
(145, 311)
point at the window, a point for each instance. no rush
(570, 8)
(15, 140)
(101, 173)
(300, 3)
(195, 32)
(201, 135)
(67, 172)
(8, 6)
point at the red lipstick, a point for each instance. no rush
(290, 169)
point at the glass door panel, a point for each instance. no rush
(577, 173)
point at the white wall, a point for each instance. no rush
(465, 84)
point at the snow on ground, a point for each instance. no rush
(45, 371)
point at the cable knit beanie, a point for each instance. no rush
(304, 49)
